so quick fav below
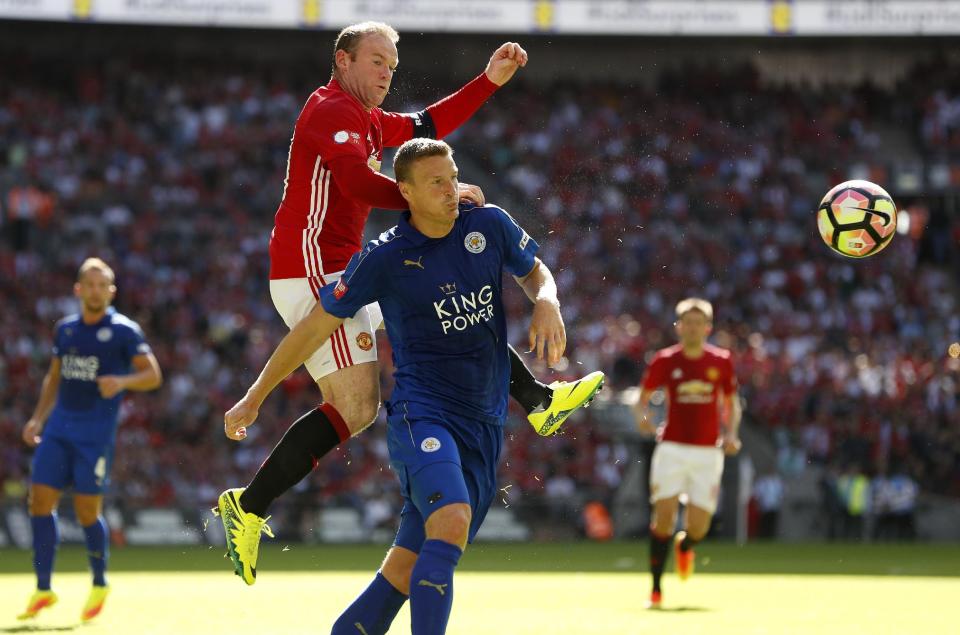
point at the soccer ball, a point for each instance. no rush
(857, 219)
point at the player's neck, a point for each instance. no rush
(694, 351)
(92, 317)
(431, 229)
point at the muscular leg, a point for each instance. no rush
(43, 501)
(375, 608)
(89, 509)
(351, 401)
(697, 525)
(661, 531)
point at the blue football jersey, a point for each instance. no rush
(87, 351)
(442, 306)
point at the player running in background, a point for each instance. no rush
(446, 323)
(700, 385)
(333, 181)
(97, 355)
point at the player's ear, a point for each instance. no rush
(340, 59)
(405, 190)
(76, 289)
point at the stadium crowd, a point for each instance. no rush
(704, 183)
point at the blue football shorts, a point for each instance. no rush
(440, 461)
(60, 463)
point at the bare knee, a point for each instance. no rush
(42, 500)
(698, 523)
(360, 414)
(398, 567)
(87, 508)
(450, 524)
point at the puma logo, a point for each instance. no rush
(414, 263)
(438, 587)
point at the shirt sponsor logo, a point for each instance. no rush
(475, 242)
(80, 367)
(458, 311)
(104, 334)
(340, 289)
(695, 391)
(430, 444)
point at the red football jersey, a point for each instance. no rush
(317, 228)
(693, 387)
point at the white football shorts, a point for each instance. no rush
(353, 343)
(682, 468)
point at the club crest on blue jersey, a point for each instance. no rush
(475, 242)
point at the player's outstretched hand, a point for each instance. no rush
(471, 194)
(504, 62)
(547, 332)
(110, 385)
(31, 433)
(236, 420)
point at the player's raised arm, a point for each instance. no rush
(48, 397)
(301, 342)
(546, 326)
(504, 62)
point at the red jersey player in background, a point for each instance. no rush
(702, 397)
(332, 182)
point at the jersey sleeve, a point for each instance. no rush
(655, 376)
(519, 249)
(57, 348)
(134, 343)
(398, 127)
(336, 129)
(452, 111)
(360, 284)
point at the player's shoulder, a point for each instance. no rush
(328, 100)
(717, 352)
(383, 245)
(119, 321)
(669, 353)
(67, 321)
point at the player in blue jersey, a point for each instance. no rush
(97, 355)
(437, 277)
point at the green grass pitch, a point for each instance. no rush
(516, 589)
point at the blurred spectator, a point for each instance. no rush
(768, 491)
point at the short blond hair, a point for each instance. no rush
(695, 304)
(412, 151)
(95, 263)
(349, 37)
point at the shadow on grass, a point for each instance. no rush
(681, 609)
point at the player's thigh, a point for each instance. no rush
(351, 344)
(91, 468)
(398, 566)
(355, 392)
(52, 464)
(703, 479)
(667, 471)
(665, 514)
(43, 499)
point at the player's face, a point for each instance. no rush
(368, 75)
(432, 191)
(693, 327)
(95, 291)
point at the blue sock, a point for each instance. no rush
(98, 548)
(45, 539)
(431, 587)
(374, 610)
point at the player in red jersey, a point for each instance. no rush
(332, 182)
(702, 397)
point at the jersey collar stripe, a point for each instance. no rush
(308, 230)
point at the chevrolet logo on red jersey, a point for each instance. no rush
(340, 289)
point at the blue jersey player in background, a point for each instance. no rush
(437, 276)
(97, 355)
